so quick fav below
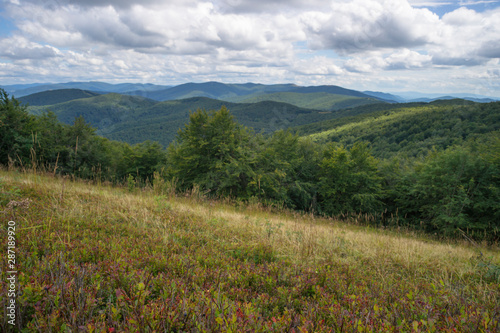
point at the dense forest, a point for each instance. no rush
(432, 167)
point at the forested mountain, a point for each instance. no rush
(217, 90)
(214, 90)
(135, 119)
(20, 90)
(313, 100)
(410, 129)
(56, 96)
(229, 92)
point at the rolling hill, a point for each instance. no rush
(313, 100)
(408, 129)
(217, 90)
(214, 90)
(134, 119)
(100, 111)
(56, 96)
(20, 90)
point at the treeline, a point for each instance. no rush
(44, 142)
(449, 192)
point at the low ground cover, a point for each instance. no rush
(96, 258)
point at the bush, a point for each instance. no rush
(455, 189)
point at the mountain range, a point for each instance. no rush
(229, 92)
(137, 112)
(135, 119)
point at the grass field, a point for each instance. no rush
(96, 258)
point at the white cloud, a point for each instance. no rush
(361, 41)
(18, 47)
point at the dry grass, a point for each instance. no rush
(387, 256)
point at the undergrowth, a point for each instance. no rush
(96, 258)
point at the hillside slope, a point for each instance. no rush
(313, 100)
(100, 111)
(135, 119)
(56, 96)
(104, 259)
(410, 129)
(162, 121)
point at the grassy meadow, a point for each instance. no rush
(95, 258)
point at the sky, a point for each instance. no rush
(429, 46)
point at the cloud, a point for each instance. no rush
(407, 59)
(318, 65)
(364, 25)
(490, 49)
(18, 48)
(269, 6)
(417, 3)
(317, 41)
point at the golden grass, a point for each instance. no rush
(296, 237)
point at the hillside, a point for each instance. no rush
(410, 129)
(56, 96)
(135, 119)
(107, 259)
(313, 100)
(162, 121)
(21, 90)
(100, 111)
(216, 90)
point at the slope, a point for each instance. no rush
(104, 259)
(162, 121)
(410, 129)
(100, 111)
(216, 90)
(313, 100)
(56, 96)
(21, 90)
(135, 119)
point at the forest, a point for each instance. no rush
(431, 167)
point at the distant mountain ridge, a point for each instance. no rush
(56, 96)
(215, 90)
(230, 92)
(20, 90)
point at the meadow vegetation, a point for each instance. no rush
(99, 258)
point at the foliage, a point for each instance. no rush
(211, 152)
(349, 181)
(457, 189)
(410, 129)
(15, 130)
(100, 259)
(43, 141)
(285, 171)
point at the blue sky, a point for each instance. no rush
(380, 45)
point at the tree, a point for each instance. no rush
(458, 188)
(349, 181)
(211, 152)
(286, 170)
(16, 138)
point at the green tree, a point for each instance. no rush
(211, 151)
(141, 160)
(286, 170)
(349, 181)
(458, 188)
(16, 138)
